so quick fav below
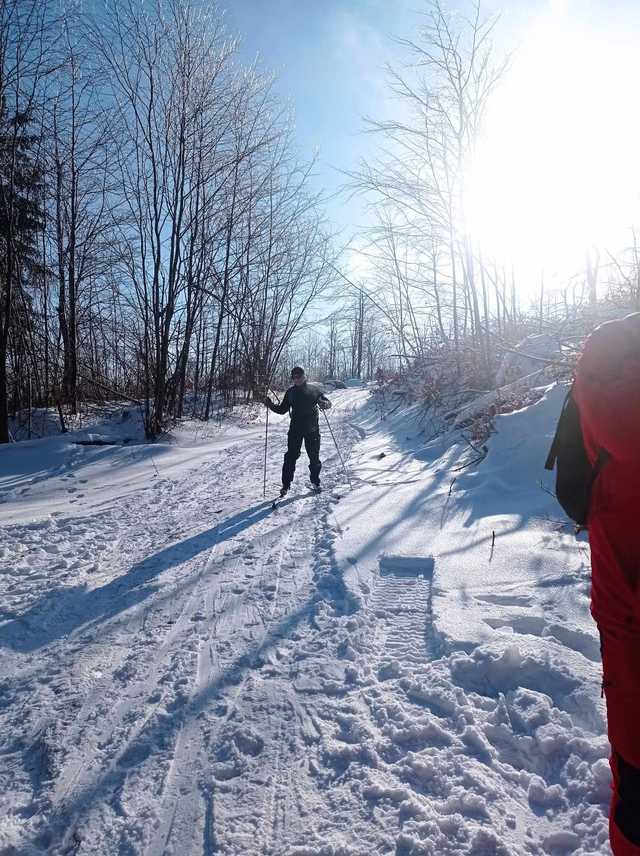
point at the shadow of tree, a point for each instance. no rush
(61, 612)
(161, 730)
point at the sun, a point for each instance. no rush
(556, 170)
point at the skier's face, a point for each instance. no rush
(298, 379)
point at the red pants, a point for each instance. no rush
(621, 673)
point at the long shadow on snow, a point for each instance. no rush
(59, 613)
(495, 487)
(418, 507)
(159, 731)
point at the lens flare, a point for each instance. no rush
(557, 170)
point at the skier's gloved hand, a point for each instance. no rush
(324, 404)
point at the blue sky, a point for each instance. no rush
(329, 56)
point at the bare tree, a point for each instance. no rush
(418, 182)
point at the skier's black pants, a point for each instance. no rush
(294, 444)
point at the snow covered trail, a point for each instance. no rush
(475, 655)
(146, 647)
(186, 671)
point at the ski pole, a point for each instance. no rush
(346, 472)
(266, 440)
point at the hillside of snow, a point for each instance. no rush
(403, 665)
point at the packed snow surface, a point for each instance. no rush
(402, 665)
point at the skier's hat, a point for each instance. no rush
(297, 371)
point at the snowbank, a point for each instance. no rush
(405, 666)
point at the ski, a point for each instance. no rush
(288, 497)
(276, 502)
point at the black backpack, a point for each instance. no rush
(575, 475)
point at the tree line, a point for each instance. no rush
(446, 305)
(160, 238)
(161, 241)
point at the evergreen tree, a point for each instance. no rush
(21, 219)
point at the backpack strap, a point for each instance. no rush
(553, 451)
(601, 459)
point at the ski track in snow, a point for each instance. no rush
(187, 672)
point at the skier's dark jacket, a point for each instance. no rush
(303, 403)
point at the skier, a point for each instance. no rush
(607, 392)
(302, 400)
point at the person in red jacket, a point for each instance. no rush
(607, 392)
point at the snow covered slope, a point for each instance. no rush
(404, 666)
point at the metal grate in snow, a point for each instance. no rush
(407, 566)
(402, 602)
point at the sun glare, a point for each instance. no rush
(557, 170)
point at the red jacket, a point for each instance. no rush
(607, 392)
